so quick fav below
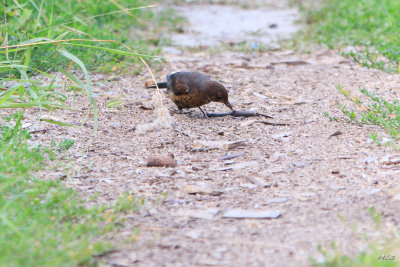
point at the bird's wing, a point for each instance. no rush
(178, 83)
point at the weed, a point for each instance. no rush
(376, 216)
(378, 112)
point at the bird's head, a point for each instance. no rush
(217, 93)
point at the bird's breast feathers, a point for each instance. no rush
(188, 100)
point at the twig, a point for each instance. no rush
(258, 181)
(239, 113)
(273, 123)
(39, 131)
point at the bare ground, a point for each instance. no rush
(323, 185)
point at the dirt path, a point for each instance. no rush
(321, 183)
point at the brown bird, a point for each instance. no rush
(193, 89)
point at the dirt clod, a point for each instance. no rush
(161, 161)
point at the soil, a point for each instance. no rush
(211, 24)
(320, 176)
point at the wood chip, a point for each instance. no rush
(207, 214)
(277, 200)
(204, 145)
(232, 156)
(194, 190)
(239, 166)
(161, 161)
(281, 135)
(258, 181)
(291, 62)
(146, 105)
(234, 144)
(390, 159)
(148, 83)
(252, 214)
(337, 133)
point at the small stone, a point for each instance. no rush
(281, 135)
(258, 181)
(153, 211)
(241, 165)
(232, 156)
(300, 164)
(249, 186)
(194, 234)
(251, 214)
(337, 187)
(205, 145)
(207, 214)
(205, 190)
(116, 125)
(277, 200)
(371, 159)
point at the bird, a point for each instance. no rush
(193, 89)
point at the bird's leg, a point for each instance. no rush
(205, 115)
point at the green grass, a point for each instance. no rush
(335, 258)
(371, 27)
(126, 21)
(42, 222)
(372, 111)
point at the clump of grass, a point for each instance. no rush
(335, 258)
(43, 223)
(377, 112)
(379, 253)
(33, 21)
(365, 30)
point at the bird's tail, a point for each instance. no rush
(160, 85)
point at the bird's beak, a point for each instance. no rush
(229, 105)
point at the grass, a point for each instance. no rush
(374, 111)
(335, 258)
(43, 223)
(365, 30)
(123, 21)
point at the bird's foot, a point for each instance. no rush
(205, 114)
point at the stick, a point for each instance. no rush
(239, 113)
(273, 123)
